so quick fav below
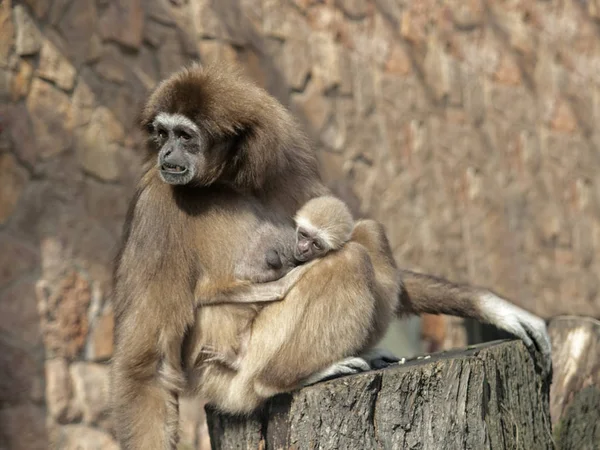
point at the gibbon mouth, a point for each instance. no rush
(299, 258)
(173, 168)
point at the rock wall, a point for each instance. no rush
(466, 127)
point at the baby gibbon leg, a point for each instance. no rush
(211, 354)
(379, 358)
(346, 366)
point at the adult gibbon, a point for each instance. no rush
(224, 158)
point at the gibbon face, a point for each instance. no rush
(209, 125)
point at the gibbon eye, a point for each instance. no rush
(162, 133)
(317, 246)
(302, 234)
(184, 136)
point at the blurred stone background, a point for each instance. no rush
(466, 126)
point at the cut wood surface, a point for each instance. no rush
(575, 390)
(486, 396)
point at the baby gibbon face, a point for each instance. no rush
(323, 224)
(309, 245)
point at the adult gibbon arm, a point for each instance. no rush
(423, 293)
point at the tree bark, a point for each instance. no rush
(487, 396)
(575, 391)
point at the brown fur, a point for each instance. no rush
(324, 214)
(180, 248)
(175, 236)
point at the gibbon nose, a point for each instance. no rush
(303, 246)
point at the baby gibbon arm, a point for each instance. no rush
(243, 292)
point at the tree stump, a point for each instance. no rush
(575, 391)
(486, 396)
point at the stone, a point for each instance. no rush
(363, 141)
(124, 101)
(231, 19)
(170, 55)
(111, 65)
(123, 22)
(305, 4)
(17, 258)
(64, 318)
(345, 87)
(323, 18)
(159, 11)
(372, 43)
(325, 59)
(19, 314)
(57, 11)
(363, 86)
(206, 20)
(312, 106)
(412, 27)
(55, 258)
(98, 147)
(217, 20)
(252, 11)
(7, 32)
(104, 202)
(398, 62)
(95, 48)
(100, 341)
(29, 38)
(355, 9)
(21, 80)
(51, 116)
(81, 437)
(20, 369)
(155, 33)
(146, 68)
(335, 133)
(508, 71)
(282, 21)
(84, 102)
(331, 165)
(13, 179)
(254, 66)
(467, 14)
(295, 62)
(59, 389)
(91, 390)
(17, 123)
(24, 427)
(54, 66)
(39, 7)
(6, 84)
(563, 119)
(213, 50)
(77, 26)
